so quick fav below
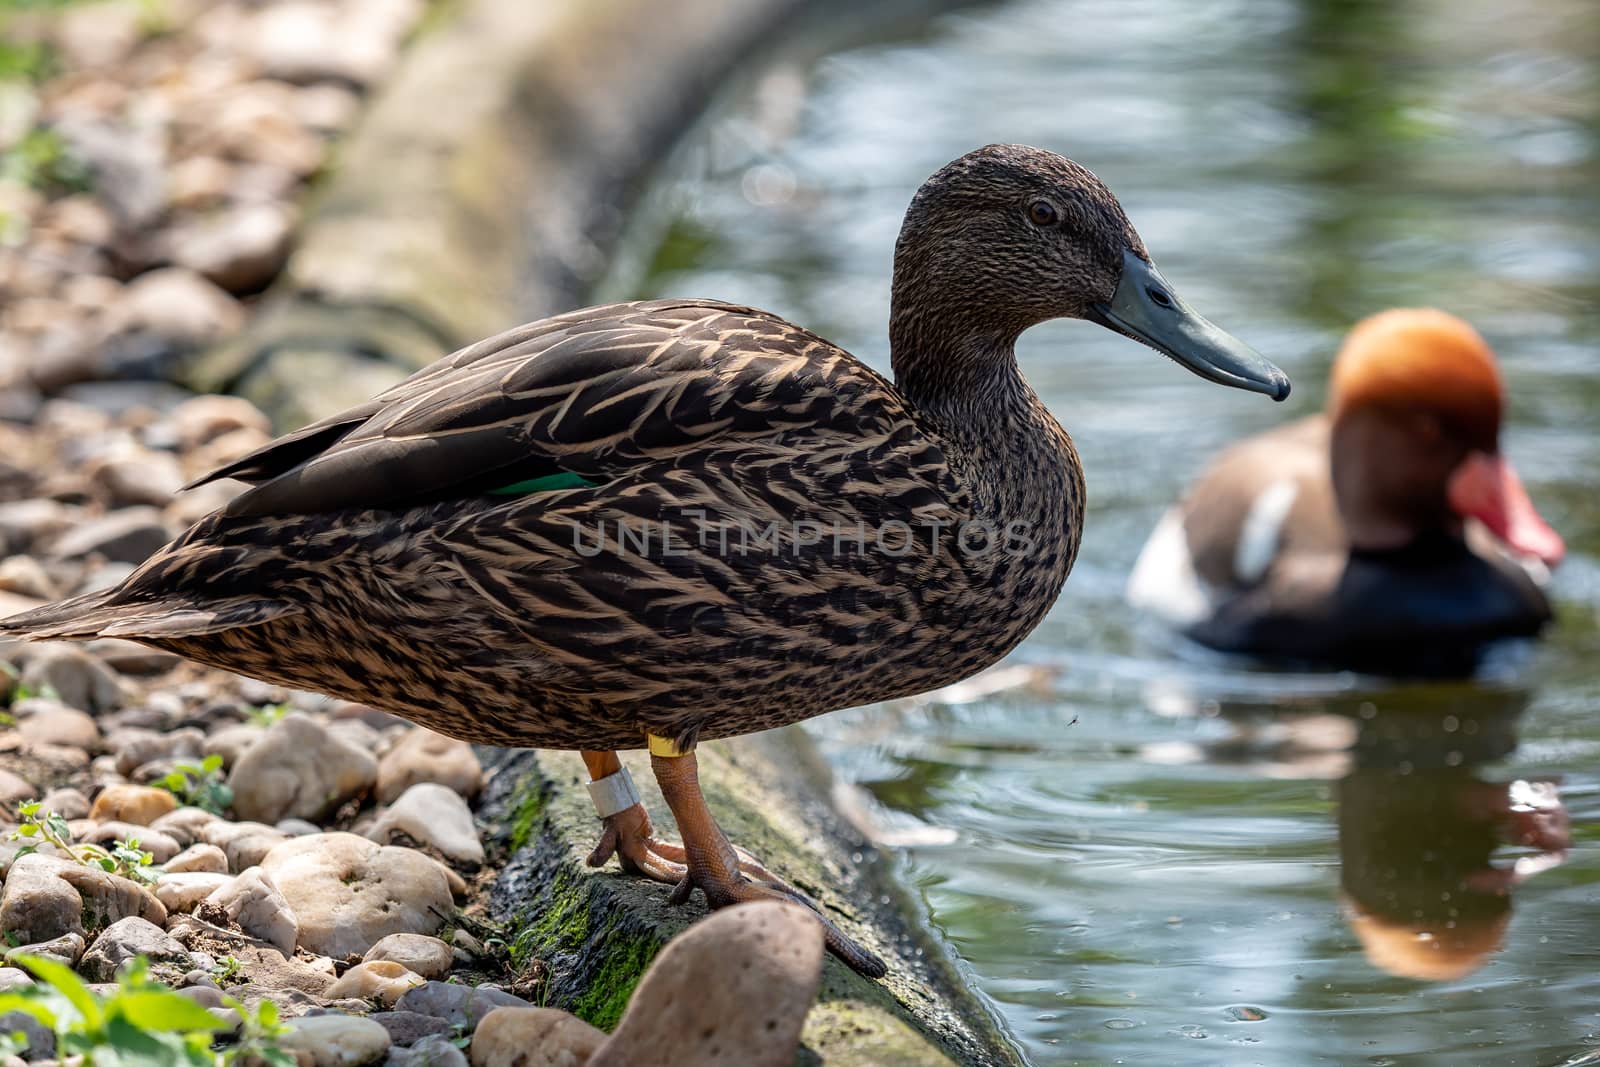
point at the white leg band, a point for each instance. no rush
(613, 793)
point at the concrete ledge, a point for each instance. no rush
(598, 929)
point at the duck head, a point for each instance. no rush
(1008, 236)
(1416, 402)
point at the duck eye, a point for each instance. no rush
(1042, 213)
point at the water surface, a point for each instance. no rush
(1143, 853)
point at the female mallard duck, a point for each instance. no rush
(653, 523)
(1342, 539)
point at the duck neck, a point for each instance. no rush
(963, 375)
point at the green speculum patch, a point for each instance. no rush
(544, 484)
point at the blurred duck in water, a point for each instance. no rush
(1388, 534)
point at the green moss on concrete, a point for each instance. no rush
(525, 816)
(628, 956)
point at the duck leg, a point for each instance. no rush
(628, 833)
(713, 865)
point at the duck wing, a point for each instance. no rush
(590, 394)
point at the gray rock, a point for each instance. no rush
(67, 949)
(406, 1028)
(186, 825)
(436, 817)
(298, 769)
(26, 523)
(79, 680)
(458, 1005)
(134, 750)
(128, 164)
(434, 1051)
(130, 937)
(131, 535)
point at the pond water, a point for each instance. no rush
(1143, 853)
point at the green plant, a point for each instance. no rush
(140, 1024)
(200, 785)
(268, 714)
(41, 160)
(227, 967)
(37, 826)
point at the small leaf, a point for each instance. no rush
(28, 829)
(158, 1009)
(69, 985)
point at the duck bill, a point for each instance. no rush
(1486, 487)
(1145, 308)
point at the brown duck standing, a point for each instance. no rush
(1389, 534)
(652, 523)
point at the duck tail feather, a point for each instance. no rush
(93, 615)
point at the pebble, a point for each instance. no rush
(183, 891)
(749, 1015)
(185, 825)
(181, 306)
(138, 804)
(14, 789)
(239, 248)
(253, 901)
(424, 756)
(47, 722)
(349, 892)
(419, 953)
(67, 803)
(336, 1040)
(233, 740)
(434, 1051)
(67, 949)
(161, 847)
(435, 817)
(298, 769)
(381, 979)
(130, 937)
(406, 1028)
(245, 844)
(462, 1007)
(130, 535)
(45, 897)
(199, 858)
(140, 746)
(536, 1037)
(24, 575)
(78, 680)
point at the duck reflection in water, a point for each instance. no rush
(1419, 829)
(1422, 881)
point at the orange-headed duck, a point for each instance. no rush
(1388, 534)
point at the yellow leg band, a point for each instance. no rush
(665, 746)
